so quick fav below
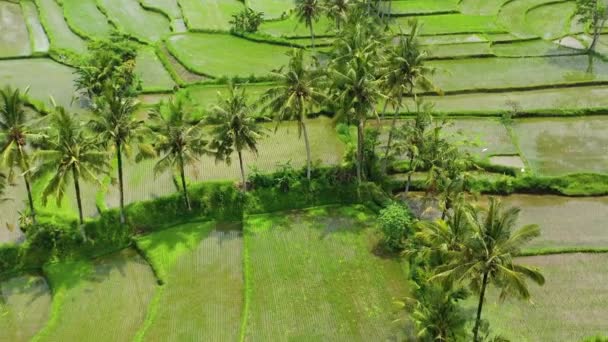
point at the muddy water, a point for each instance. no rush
(561, 146)
(564, 222)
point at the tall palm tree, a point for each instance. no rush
(355, 87)
(69, 153)
(403, 71)
(337, 10)
(308, 12)
(178, 138)
(15, 133)
(296, 93)
(357, 96)
(236, 128)
(115, 126)
(487, 255)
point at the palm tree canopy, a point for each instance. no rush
(353, 71)
(113, 120)
(236, 127)
(403, 68)
(308, 11)
(178, 135)
(15, 130)
(491, 249)
(67, 152)
(337, 9)
(297, 91)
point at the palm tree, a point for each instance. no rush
(236, 128)
(178, 138)
(337, 10)
(487, 255)
(403, 70)
(296, 93)
(437, 314)
(307, 12)
(355, 87)
(115, 125)
(15, 132)
(70, 154)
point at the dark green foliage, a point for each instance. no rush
(108, 61)
(220, 201)
(247, 21)
(437, 314)
(395, 223)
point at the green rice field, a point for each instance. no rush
(325, 245)
(517, 86)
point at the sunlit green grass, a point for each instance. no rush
(271, 8)
(421, 6)
(452, 23)
(292, 28)
(209, 15)
(152, 73)
(100, 300)
(129, 16)
(85, 17)
(202, 295)
(168, 7)
(226, 55)
(313, 275)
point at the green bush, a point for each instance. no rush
(395, 223)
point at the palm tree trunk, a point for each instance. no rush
(28, 188)
(312, 36)
(384, 109)
(360, 142)
(308, 154)
(409, 175)
(78, 199)
(121, 188)
(242, 170)
(29, 197)
(183, 177)
(390, 135)
(482, 294)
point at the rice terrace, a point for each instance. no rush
(303, 170)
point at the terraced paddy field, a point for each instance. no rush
(559, 146)
(25, 308)
(201, 266)
(577, 280)
(517, 84)
(325, 245)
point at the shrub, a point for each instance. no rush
(247, 20)
(395, 222)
